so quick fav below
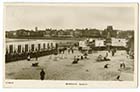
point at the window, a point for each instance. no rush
(6, 50)
(51, 45)
(32, 47)
(19, 48)
(26, 47)
(104, 42)
(44, 46)
(38, 46)
(48, 46)
(11, 48)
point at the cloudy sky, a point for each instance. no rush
(67, 16)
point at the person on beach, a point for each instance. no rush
(72, 50)
(75, 60)
(106, 66)
(36, 56)
(85, 55)
(28, 57)
(122, 65)
(100, 58)
(107, 57)
(42, 74)
(68, 50)
(118, 77)
(113, 52)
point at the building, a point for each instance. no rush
(65, 33)
(118, 42)
(90, 33)
(130, 43)
(10, 34)
(60, 33)
(23, 33)
(47, 33)
(99, 43)
(77, 33)
(113, 33)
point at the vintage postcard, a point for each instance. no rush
(70, 45)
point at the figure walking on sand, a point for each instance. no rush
(42, 74)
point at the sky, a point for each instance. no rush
(67, 17)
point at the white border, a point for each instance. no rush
(61, 90)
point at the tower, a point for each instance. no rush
(36, 28)
(109, 28)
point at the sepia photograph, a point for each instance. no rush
(70, 44)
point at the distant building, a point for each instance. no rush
(108, 39)
(65, 33)
(77, 33)
(22, 33)
(47, 33)
(60, 33)
(130, 43)
(125, 34)
(113, 33)
(53, 33)
(90, 33)
(10, 34)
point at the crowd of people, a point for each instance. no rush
(80, 57)
(107, 56)
(84, 56)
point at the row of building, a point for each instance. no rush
(68, 33)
